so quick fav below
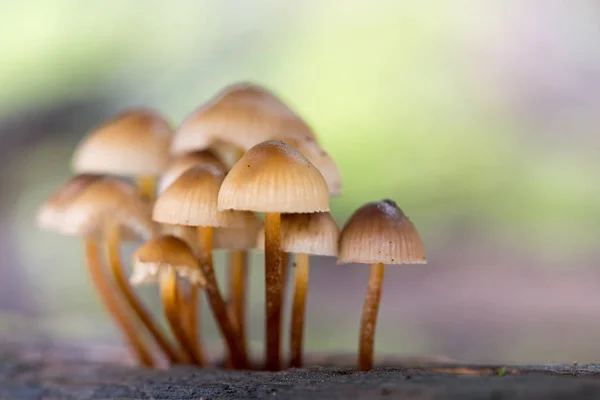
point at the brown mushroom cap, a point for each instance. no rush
(186, 233)
(319, 158)
(379, 232)
(165, 253)
(243, 115)
(314, 233)
(192, 199)
(184, 162)
(108, 200)
(133, 143)
(50, 213)
(274, 177)
(240, 237)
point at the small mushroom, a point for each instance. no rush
(305, 235)
(274, 178)
(378, 233)
(184, 162)
(163, 260)
(192, 200)
(133, 144)
(54, 215)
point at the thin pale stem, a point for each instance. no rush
(147, 187)
(369, 318)
(169, 294)
(114, 257)
(238, 283)
(111, 303)
(273, 290)
(301, 273)
(218, 306)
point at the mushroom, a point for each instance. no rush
(192, 200)
(274, 178)
(53, 215)
(182, 163)
(134, 144)
(237, 240)
(378, 233)
(164, 259)
(107, 206)
(242, 115)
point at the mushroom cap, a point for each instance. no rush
(186, 233)
(133, 143)
(50, 213)
(179, 165)
(241, 114)
(314, 233)
(162, 254)
(242, 236)
(379, 232)
(192, 199)
(319, 158)
(274, 177)
(108, 200)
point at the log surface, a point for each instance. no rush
(44, 378)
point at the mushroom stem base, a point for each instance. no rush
(369, 318)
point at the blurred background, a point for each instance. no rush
(479, 118)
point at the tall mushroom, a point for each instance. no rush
(54, 215)
(165, 259)
(133, 144)
(274, 178)
(192, 200)
(378, 233)
(110, 205)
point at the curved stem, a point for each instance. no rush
(111, 302)
(218, 306)
(273, 290)
(169, 295)
(238, 264)
(298, 308)
(369, 318)
(147, 186)
(113, 239)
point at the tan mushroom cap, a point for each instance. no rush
(242, 114)
(314, 233)
(319, 158)
(240, 237)
(274, 177)
(50, 214)
(192, 199)
(186, 233)
(163, 254)
(108, 200)
(184, 162)
(134, 143)
(379, 232)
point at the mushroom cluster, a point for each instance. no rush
(188, 192)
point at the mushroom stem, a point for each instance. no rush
(112, 241)
(298, 308)
(237, 288)
(218, 306)
(273, 290)
(147, 186)
(369, 318)
(111, 302)
(169, 294)
(191, 316)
